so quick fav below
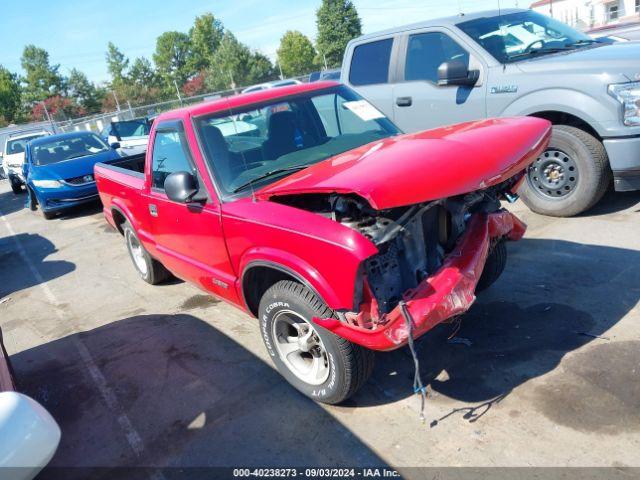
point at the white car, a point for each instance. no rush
(29, 436)
(268, 85)
(13, 157)
(130, 135)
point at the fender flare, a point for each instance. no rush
(292, 265)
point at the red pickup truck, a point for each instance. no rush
(307, 208)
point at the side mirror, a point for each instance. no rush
(181, 187)
(115, 145)
(455, 72)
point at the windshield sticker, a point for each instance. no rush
(364, 110)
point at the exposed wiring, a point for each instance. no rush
(418, 387)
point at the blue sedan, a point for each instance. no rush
(59, 170)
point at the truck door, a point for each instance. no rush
(370, 72)
(188, 237)
(418, 102)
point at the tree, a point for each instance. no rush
(204, 37)
(83, 92)
(171, 58)
(60, 108)
(42, 79)
(117, 65)
(194, 86)
(296, 54)
(142, 73)
(9, 95)
(337, 22)
(235, 65)
(260, 69)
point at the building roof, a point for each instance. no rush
(540, 3)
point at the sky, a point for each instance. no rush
(76, 33)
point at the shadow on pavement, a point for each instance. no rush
(614, 202)
(11, 203)
(14, 273)
(195, 396)
(84, 210)
(553, 298)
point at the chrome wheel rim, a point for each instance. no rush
(300, 347)
(553, 175)
(136, 253)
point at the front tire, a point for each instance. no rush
(493, 267)
(321, 365)
(16, 187)
(149, 269)
(570, 177)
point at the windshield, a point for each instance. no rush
(17, 145)
(139, 127)
(258, 145)
(67, 148)
(521, 35)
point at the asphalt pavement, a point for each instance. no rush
(545, 371)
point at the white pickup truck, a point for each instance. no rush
(13, 155)
(131, 135)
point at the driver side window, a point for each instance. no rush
(427, 51)
(169, 156)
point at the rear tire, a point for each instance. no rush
(321, 365)
(580, 187)
(494, 266)
(149, 269)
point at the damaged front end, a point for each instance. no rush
(429, 261)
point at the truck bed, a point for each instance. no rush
(120, 184)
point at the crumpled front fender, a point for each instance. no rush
(449, 292)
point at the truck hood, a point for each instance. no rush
(424, 166)
(75, 167)
(620, 57)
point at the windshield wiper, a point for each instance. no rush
(540, 51)
(579, 43)
(78, 156)
(268, 174)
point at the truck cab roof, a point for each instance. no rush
(439, 22)
(243, 99)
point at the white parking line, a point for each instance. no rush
(131, 434)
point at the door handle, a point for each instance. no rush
(404, 101)
(153, 210)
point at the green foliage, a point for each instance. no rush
(117, 65)
(260, 69)
(296, 54)
(234, 65)
(337, 22)
(142, 73)
(83, 92)
(205, 36)
(172, 59)
(42, 79)
(9, 95)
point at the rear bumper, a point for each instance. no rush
(624, 158)
(447, 293)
